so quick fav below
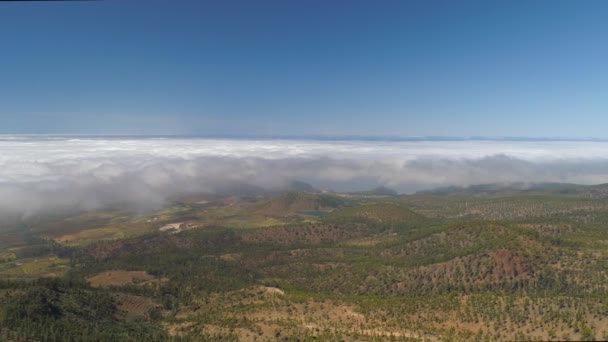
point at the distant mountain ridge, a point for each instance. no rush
(378, 191)
(247, 189)
(509, 188)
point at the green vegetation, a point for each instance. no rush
(56, 310)
(456, 265)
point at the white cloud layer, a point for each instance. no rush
(46, 173)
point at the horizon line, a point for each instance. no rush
(329, 137)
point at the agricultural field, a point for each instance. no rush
(457, 264)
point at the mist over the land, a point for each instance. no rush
(54, 173)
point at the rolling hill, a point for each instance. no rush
(507, 265)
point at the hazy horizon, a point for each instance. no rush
(195, 95)
(337, 137)
(46, 172)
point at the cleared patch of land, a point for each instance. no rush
(114, 232)
(31, 268)
(121, 278)
(135, 306)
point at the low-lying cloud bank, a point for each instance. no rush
(52, 173)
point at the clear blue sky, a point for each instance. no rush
(410, 68)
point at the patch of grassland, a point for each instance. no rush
(7, 256)
(122, 278)
(50, 266)
(252, 222)
(85, 237)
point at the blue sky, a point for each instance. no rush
(406, 68)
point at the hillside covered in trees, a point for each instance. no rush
(482, 263)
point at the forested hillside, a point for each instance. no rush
(449, 265)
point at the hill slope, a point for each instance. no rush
(530, 265)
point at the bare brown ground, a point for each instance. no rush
(121, 278)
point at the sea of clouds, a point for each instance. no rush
(52, 173)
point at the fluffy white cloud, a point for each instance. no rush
(40, 173)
